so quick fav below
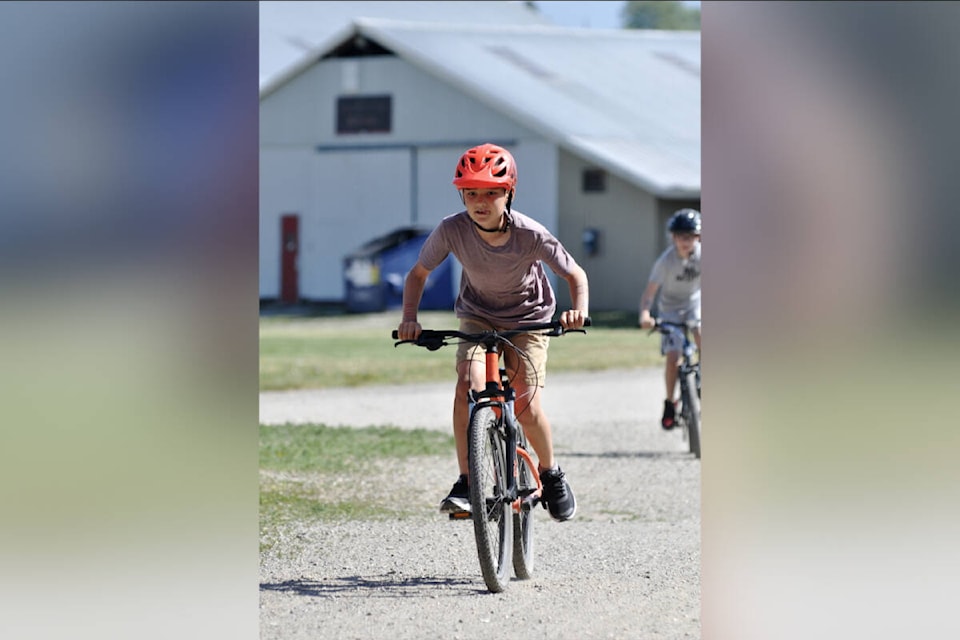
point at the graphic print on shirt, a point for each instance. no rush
(690, 273)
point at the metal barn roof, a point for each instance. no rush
(626, 100)
(288, 30)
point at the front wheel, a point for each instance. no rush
(691, 412)
(492, 521)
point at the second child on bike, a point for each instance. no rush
(676, 277)
(503, 286)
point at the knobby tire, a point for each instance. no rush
(492, 514)
(523, 521)
(691, 412)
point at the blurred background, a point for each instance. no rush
(131, 282)
(128, 328)
(366, 107)
(829, 482)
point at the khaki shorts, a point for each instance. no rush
(533, 370)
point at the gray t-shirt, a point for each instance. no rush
(505, 285)
(679, 281)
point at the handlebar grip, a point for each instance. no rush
(395, 335)
(587, 322)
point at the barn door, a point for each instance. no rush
(289, 249)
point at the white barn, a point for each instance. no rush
(360, 137)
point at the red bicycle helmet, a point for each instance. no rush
(486, 166)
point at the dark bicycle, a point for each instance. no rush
(504, 484)
(688, 375)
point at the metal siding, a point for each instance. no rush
(537, 191)
(625, 216)
(426, 109)
(355, 196)
(284, 188)
(301, 112)
(537, 182)
(438, 197)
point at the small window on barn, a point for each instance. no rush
(594, 180)
(364, 114)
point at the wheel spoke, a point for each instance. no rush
(492, 521)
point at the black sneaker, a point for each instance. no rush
(558, 495)
(669, 416)
(458, 500)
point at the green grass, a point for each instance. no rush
(355, 350)
(304, 470)
(322, 449)
(288, 502)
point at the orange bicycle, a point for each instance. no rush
(504, 483)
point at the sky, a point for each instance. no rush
(594, 14)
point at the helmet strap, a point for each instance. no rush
(502, 228)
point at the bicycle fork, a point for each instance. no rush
(528, 497)
(499, 395)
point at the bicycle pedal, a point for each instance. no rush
(461, 515)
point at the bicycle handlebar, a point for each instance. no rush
(667, 327)
(658, 323)
(434, 339)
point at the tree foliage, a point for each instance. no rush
(660, 14)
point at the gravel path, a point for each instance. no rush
(628, 566)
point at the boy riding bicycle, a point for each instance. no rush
(503, 286)
(676, 276)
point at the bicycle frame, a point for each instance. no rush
(497, 394)
(505, 485)
(686, 364)
(689, 417)
(500, 396)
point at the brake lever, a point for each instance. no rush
(431, 344)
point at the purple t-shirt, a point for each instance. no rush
(505, 285)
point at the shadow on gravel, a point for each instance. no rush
(383, 586)
(650, 455)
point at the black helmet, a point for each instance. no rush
(685, 221)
